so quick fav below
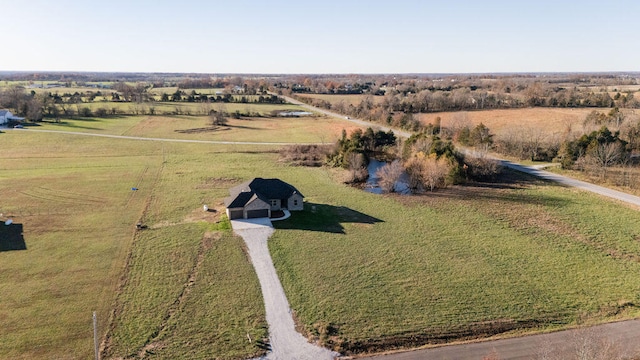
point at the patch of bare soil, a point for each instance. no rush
(203, 130)
(435, 336)
(211, 215)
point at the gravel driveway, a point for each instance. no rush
(286, 342)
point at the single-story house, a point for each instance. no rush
(6, 116)
(259, 197)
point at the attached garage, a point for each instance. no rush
(259, 197)
(235, 214)
(260, 213)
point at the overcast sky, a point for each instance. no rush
(320, 36)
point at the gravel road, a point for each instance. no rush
(286, 342)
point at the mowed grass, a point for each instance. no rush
(375, 272)
(185, 108)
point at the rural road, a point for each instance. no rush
(532, 170)
(286, 343)
(401, 133)
(609, 341)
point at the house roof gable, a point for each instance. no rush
(264, 189)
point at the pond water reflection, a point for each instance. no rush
(401, 186)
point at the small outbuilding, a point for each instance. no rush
(259, 197)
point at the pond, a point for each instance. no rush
(401, 186)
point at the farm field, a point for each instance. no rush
(309, 129)
(362, 271)
(183, 108)
(558, 121)
(347, 99)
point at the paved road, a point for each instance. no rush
(609, 341)
(532, 170)
(286, 342)
(372, 125)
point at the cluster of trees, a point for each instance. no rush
(354, 151)
(429, 161)
(24, 104)
(194, 96)
(597, 150)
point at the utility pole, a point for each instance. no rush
(95, 335)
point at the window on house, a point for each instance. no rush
(274, 202)
(295, 202)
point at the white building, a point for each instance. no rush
(6, 116)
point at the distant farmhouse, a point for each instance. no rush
(6, 116)
(259, 197)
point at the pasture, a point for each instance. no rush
(362, 272)
(308, 129)
(346, 99)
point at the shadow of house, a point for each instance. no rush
(325, 218)
(11, 238)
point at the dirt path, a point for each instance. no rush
(286, 343)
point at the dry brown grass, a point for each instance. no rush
(552, 120)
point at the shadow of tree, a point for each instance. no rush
(325, 218)
(11, 238)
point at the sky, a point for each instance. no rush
(321, 36)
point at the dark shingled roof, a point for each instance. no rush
(265, 189)
(239, 200)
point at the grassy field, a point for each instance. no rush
(184, 108)
(361, 271)
(309, 129)
(74, 211)
(367, 272)
(347, 99)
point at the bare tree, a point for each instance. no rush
(427, 172)
(435, 173)
(388, 175)
(606, 155)
(357, 168)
